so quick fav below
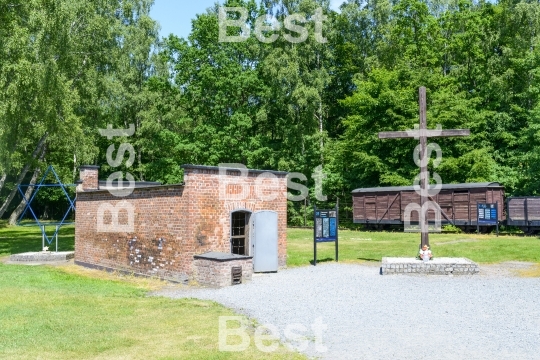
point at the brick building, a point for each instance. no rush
(216, 220)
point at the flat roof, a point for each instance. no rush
(138, 184)
(444, 187)
(216, 168)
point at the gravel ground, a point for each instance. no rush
(369, 316)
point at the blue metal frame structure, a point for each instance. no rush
(50, 169)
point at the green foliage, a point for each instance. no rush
(449, 228)
(67, 69)
(473, 61)
(75, 67)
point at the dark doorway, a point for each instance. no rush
(240, 232)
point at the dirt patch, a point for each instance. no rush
(509, 269)
(533, 271)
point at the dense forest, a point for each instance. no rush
(69, 68)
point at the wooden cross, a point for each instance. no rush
(423, 133)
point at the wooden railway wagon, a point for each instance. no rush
(524, 212)
(385, 206)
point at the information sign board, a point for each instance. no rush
(487, 215)
(325, 228)
(325, 225)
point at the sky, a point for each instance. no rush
(174, 16)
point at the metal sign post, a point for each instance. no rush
(325, 228)
(497, 216)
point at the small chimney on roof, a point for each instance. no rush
(88, 177)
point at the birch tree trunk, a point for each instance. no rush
(2, 180)
(39, 149)
(19, 209)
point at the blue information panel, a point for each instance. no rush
(325, 225)
(487, 214)
(326, 229)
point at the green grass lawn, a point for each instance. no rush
(70, 312)
(359, 246)
(50, 313)
(18, 239)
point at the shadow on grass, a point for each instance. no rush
(322, 260)
(19, 239)
(369, 259)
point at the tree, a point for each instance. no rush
(62, 62)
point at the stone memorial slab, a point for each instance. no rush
(436, 266)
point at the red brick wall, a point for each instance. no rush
(191, 218)
(210, 215)
(158, 214)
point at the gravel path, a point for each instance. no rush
(369, 316)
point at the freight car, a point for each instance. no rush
(383, 207)
(524, 212)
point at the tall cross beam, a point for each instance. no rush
(423, 133)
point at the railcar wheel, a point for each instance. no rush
(470, 229)
(527, 230)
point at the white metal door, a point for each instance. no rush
(264, 241)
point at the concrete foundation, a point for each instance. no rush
(41, 256)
